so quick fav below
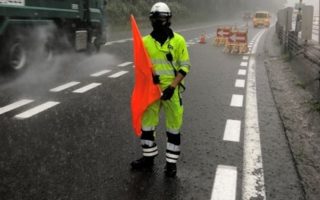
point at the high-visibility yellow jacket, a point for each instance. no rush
(158, 55)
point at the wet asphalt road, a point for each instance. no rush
(81, 148)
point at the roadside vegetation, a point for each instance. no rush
(119, 11)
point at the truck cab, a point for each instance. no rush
(80, 24)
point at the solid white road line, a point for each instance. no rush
(245, 58)
(232, 131)
(244, 64)
(240, 83)
(225, 183)
(64, 86)
(15, 105)
(87, 88)
(125, 64)
(118, 74)
(100, 73)
(242, 72)
(36, 110)
(253, 176)
(236, 100)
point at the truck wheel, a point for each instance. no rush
(17, 56)
(93, 46)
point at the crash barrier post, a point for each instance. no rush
(222, 36)
(237, 42)
(202, 39)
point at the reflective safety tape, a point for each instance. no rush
(173, 147)
(148, 143)
(169, 160)
(173, 131)
(185, 63)
(148, 150)
(164, 72)
(172, 156)
(148, 128)
(150, 154)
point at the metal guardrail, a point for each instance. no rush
(295, 46)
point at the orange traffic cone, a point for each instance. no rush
(202, 39)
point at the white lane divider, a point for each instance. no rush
(242, 72)
(232, 130)
(65, 86)
(253, 186)
(240, 83)
(245, 58)
(225, 183)
(236, 100)
(15, 105)
(100, 73)
(87, 88)
(36, 110)
(244, 64)
(118, 74)
(125, 64)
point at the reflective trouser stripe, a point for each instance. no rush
(173, 153)
(172, 147)
(152, 154)
(148, 143)
(169, 160)
(173, 156)
(173, 131)
(148, 128)
(150, 151)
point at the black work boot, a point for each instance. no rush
(143, 163)
(170, 170)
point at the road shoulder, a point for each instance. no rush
(297, 108)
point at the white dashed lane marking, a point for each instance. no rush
(245, 58)
(87, 88)
(125, 64)
(100, 73)
(232, 131)
(240, 83)
(15, 105)
(36, 110)
(225, 183)
(236, 100)
(244, 64)
(242, 72)
(118, 74)
(64, 86)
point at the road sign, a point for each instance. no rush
(297, 6)
(307, 22)
(285, 18)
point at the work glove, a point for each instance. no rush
(156, 79)
(167, 93)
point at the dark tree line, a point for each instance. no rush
(119, 10)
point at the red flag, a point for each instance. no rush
(144, 91)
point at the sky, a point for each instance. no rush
(315, 3)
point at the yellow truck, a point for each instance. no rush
(261, 18)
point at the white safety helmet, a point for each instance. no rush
(160, 11)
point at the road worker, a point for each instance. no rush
(170, 60)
